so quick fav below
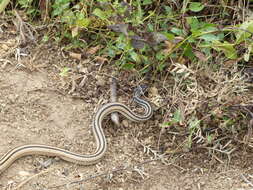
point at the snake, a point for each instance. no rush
(101, 145)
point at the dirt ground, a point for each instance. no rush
(38, 105)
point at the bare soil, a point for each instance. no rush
(38, 105)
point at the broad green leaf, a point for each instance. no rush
(68, 17)
(147, 2)
(135, 57)
(227, 48)
(242, 34)
(128, 66)
(209, 37)
(177, 31)
(193, 22)
(83, 23)
(100, 14)
(196, 6)
(59, 7)
(168, 10)
(160, 56)
(150, 27)
(177, 117)
(188, 51)
(169, 35)
(197, 26)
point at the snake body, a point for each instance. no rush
(38, 149)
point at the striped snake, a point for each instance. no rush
(38, 149)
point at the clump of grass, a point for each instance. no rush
(202, 99)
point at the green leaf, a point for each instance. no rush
(169, 35)
(45, 38)
(100, 14)
(150, 27)
(242, 34)
(188, 51)
(147, 2)
(177, 31)
(128, 66)
(194, 124)
(135, 57)
(3, 5)
(196, 6)
(168, 10)
(227, 48)
(64, 72)
(160, 56)
(193, 22)
(209, 37)
(84, 22)
(177, 117)
(68, 17)
(60, 6)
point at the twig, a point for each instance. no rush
(24, 29)
(246, 180)
(122, 168)
(30, 178)
(113, 87)
(5, 62)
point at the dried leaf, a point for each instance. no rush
(4, 47)
(169, 46)
(122, 28)
(201, 56)
(230, 63)
(137, 42)
(101, 60)
(178, 39)
(158, 37)
(74, 31)
(155, 96)
(93, 50)
(75, 55)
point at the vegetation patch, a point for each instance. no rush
(197, 56)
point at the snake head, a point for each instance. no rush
(140, 90)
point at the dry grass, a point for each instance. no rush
(204, 96)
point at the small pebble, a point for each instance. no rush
(100, 81)
(125, 123)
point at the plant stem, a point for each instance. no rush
(3, 5)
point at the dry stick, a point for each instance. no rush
(113, 87)
(24, 29)
(30, 178)
(246, 180)
(107, 173)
